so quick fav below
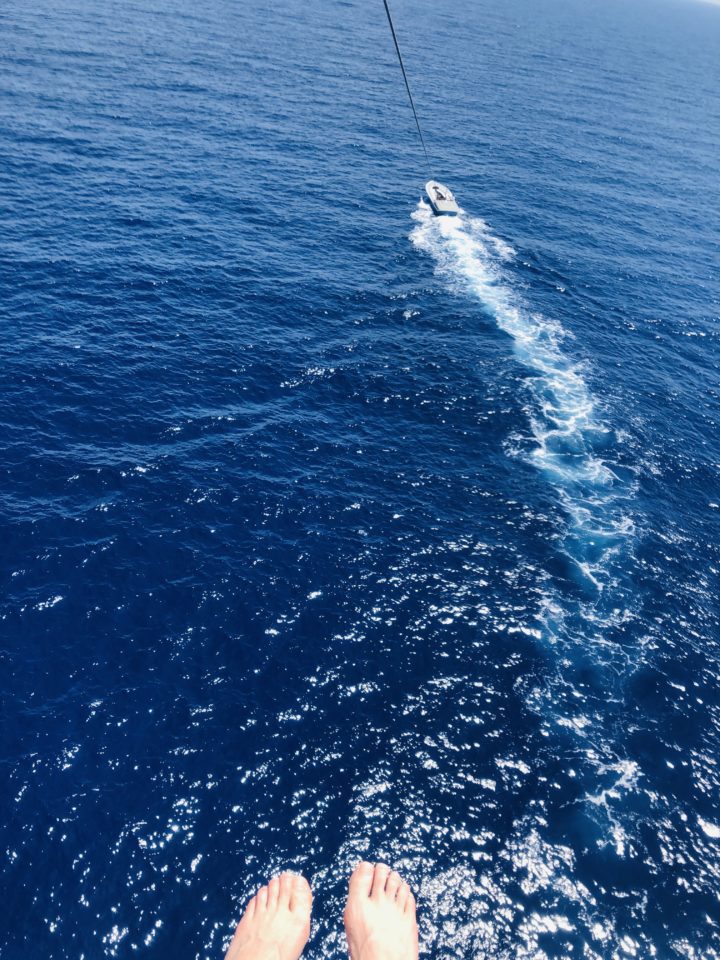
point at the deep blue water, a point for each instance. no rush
(333, 530)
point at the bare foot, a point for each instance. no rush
(276, 922)
(380, 915)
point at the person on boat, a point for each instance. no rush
(379, 918)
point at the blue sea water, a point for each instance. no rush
(333, 530)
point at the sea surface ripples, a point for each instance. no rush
(333, 530)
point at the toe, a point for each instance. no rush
(273, 891)
(393, 885)
(409, 903)
(380, 875)
(361, 879)
(300, 895)
(261, 899)
(250, 908)
(285, 889)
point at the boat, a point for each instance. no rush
(441, 199)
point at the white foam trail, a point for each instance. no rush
(571, 446)
(567, 432)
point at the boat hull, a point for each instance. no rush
(441, 199)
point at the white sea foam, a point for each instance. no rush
(569, 443)
(568, 434)
(709, 829)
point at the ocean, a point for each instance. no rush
(334, 530)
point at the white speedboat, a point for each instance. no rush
(441, 199)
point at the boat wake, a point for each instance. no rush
(569, 440)
(584, 618)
